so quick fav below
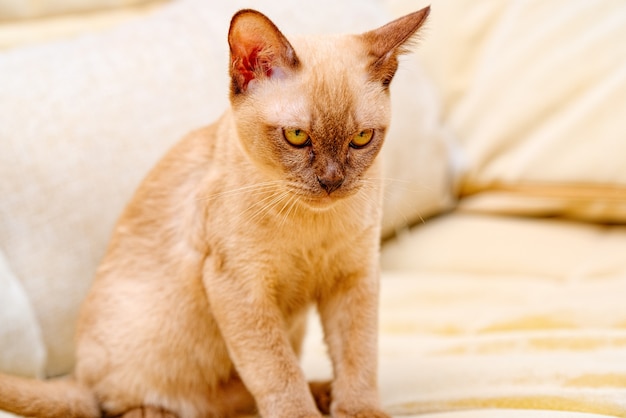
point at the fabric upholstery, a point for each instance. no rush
(534, 92)
(495, 312)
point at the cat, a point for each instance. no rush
(198, 308)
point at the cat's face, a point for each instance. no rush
(321, 128)
(312, 113)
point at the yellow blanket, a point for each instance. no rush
(459, 331)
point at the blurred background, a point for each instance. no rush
(504, 242)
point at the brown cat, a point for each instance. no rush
(198, 308)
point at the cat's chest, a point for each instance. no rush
(306, 247)
(301, 266)
(295, 249)
(316, 250)
(310, 252)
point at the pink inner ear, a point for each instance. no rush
(258, 50)
(251, 62)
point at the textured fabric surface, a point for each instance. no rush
(470, 319)
(82, 120)
(484, 311)
(535, 92)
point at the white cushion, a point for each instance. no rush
(23, 350)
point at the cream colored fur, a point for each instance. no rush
(198, 307)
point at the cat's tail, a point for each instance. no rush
(60, 398)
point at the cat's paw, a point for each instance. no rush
(361, 413)
(321, 391)
(148, 412)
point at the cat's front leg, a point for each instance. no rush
(254, 331)
(349, 317)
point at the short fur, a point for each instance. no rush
(198, 308)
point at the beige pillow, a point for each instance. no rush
(82, 121)
(535, 92)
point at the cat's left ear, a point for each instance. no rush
(389, 41)
(258, 50)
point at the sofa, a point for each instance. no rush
(504, 237)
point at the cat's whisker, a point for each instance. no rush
(285, 199)
(365, 197)
(399, 184)
(253, 191)
(291, 203)
(251, 212)
(259, 206)
(256, 188)
(376, 182)
(273, 196)
(274, 201)
(284, 206)
(374, 185)
(389, 183)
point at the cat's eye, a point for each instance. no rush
(297, 137)
(362, 138)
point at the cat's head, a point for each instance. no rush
(314, 111)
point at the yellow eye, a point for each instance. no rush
(362, 138)
(297, 137)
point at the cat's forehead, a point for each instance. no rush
(332, 87)
(335, 53)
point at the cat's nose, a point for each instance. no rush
(330, 183)
(330, 176)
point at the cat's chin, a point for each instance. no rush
(323, 202)
(319, 204)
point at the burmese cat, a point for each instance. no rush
(198, 308)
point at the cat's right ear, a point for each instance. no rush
(258, 50)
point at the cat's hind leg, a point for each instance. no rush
(321, 391)
(234, 399)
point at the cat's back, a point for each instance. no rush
(174, 187)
